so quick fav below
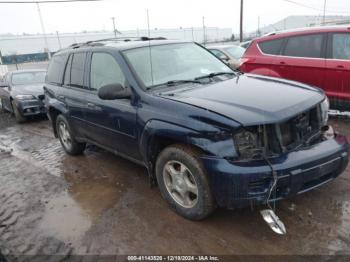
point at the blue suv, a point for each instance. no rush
(208, 136)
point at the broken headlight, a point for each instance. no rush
(324, 106)
(249, 144)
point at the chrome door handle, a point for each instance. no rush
(60, 97)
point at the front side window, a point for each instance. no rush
(304, 46)
(104, 71)
(341, 46)
(272, 47)
(156, 65)
(28, 78)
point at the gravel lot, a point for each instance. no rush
(98, 203)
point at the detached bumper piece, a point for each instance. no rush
(240, 184)
(31, 107)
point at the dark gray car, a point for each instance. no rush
(21, 93)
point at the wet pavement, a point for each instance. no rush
(98, 203)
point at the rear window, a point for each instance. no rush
(272, 47)
(304, 46)
(55, 70)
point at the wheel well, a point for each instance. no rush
(53, 113)
(159, 143)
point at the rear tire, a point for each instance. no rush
(65, 135)
(19, 118)
(184, 183)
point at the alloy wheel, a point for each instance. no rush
(180, 184)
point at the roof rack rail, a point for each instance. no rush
(125, 39)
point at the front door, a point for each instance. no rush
(112, 123)
(303, 59)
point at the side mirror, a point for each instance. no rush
(113, 91)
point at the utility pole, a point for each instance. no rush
(192, 34)
(258, 33)
(44, 33)
(114, 30)
(58, 39)
(241, 24)
(324, 12)
(204, 34)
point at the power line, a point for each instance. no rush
(315, 8)
(45, 1)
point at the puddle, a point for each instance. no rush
(65, 219)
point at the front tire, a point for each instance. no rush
(19, 118)
(184, 183)
(65, 135)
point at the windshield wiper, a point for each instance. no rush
(211, 75)
(174, 83)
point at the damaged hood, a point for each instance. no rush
(251, 99)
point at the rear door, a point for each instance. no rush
(338, 68)
(111, 123)
(303, 59)
(271, 50)
(74, 92)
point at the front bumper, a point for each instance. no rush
(31, 107)
(239, 184)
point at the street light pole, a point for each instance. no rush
(148, 25)
(58, 39)
(204, 33)
(114, 30)
(43, 30)
(324, 11)
(241, 24)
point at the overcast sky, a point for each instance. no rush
(131, 14)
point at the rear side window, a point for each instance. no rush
(341, 46)
(304, 46)
(77, 70)
(272, 47)
(55, 70)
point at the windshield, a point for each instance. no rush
(28, 78)
(235, 51)
(172, 62)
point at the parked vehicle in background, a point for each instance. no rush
(315, 56)
(230, 54)
(245, 44)
(22, 93)
(207, 135)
